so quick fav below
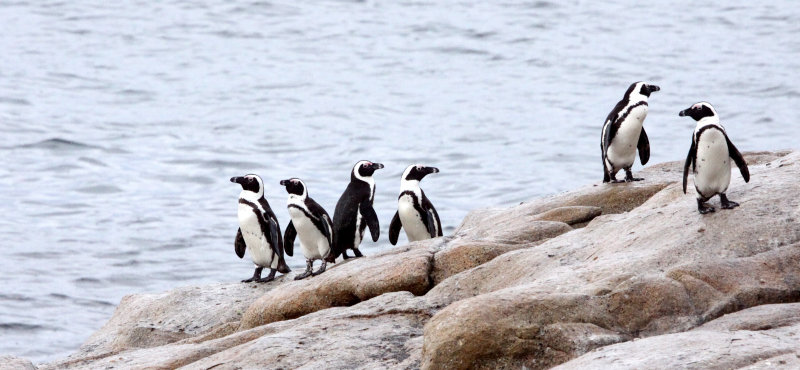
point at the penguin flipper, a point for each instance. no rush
(431, 223)
(274, 237)
(644, 147)
(327, 229)
(239, 245)
(288, 239)
(372, 220)
(689, 161)
(394, 228)
(738, 159)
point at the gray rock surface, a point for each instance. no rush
(8, 362)
(580, 279)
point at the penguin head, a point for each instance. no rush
(699, 111)
(417, 172)
(295, 186)
(364, 169)
(641, 88)
(251, 183)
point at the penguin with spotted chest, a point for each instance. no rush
(710, 158)
(415, 212)
(623, 133)
(311, 224)
(259, 232)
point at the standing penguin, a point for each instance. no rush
(709, 156)
(311, 223)
(354, 211)
(259, 231)
(415, 212)
(623, 133)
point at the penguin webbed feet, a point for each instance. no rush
(703, 208)
(357, 253)
(307, 273)
(321, 268)
(726, 203)
(269, 277)
(344, 254)
(629, 176)
(256, 275)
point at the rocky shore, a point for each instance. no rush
(606, 276)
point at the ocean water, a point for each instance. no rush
(122, 122)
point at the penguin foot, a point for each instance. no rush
(357, 253)
(727, 204)
(703, 208)
(269, 277)
(615, 181)
(307, 273)
(321, 268)
(256, 276)
(344, 254)
(629, 176)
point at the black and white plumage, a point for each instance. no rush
(415, 212)
(710, 156)
(354, 211)
(259, 231)
(623, 133)
(310, 223)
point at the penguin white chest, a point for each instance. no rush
(622, 149)
(313, 243)
(713, 166)
(257, 243)
(411, 219)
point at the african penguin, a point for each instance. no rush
(623, 133)
(311, 223)
(354, 210)
(709, 156)
(259, 231)
(415, 212)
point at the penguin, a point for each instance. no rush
(709, 156)
(354, 211)
(259, 231)
(311, 223)
(415, 212)
(623, 133)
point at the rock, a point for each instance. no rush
(659, 268)
(148, 320)
(383, 332)
(8, 362)
(461, 255)
(761, 337)
(603, 276)
(404, 269)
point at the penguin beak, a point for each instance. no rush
(377, 166)
(432, 170)
(237, 179)
(284, 182)
(684, 112)
(653, 88)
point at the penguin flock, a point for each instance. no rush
(324, 238)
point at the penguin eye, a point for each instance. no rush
(419, 168)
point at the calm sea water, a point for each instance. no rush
(121, 122)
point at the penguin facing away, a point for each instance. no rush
(311, 224)
(415, 212)
(354, 211)
(259, 231)
(623, 133)
(710, 156)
